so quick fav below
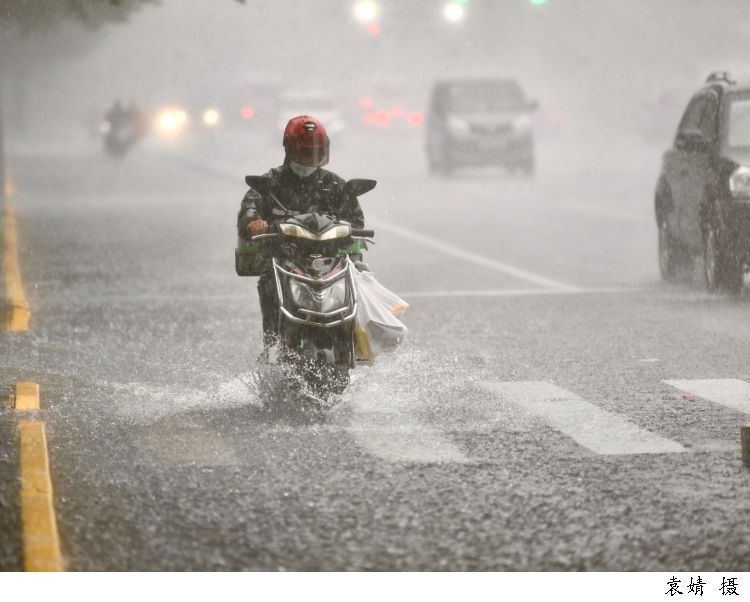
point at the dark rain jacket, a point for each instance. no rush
(321, 192)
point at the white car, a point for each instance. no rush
(316, 103)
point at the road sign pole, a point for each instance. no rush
(2, 148)
(3, 172)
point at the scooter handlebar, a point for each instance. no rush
(363, 233)
(263, 236)
(273, 232)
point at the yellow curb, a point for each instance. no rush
(27, 396)
(17, 314)
(41, 544)
(745, 443)
(8, 186)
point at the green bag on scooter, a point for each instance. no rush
(247, 258)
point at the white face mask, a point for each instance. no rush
(301, 170)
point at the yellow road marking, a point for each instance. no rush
(8, 186)
(27, 396)
(17, 314)
(41, 545)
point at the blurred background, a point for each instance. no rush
(517, 146)
(610, 78)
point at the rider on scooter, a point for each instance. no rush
(304, 187)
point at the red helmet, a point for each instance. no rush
(306, 141)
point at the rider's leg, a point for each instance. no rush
(269, 307)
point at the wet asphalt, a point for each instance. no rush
(145, 345)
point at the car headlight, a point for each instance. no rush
(739, 181)
(211, 117)
(459, 126)
(171, 121)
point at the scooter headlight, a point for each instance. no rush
(326, 299)
(296, 231)
(301, 295)
(335, 297)
(340, 231)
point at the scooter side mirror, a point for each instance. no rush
(267, 187)
(359, 186)
(262, 184)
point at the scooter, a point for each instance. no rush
(315, 288)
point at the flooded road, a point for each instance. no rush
(554, 407)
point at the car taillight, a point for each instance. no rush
(416, 118)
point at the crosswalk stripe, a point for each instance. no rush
(598, 430)
(730, 392)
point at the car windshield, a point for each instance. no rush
(739, 123)
(485, 96)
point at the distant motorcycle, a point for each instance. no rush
(118, 138)
(315, 288)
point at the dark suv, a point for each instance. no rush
(703, 194)
(479, 122)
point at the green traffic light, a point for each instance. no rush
(460, 1)
(538, 1)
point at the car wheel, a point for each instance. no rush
(722, 270)
(672, 256)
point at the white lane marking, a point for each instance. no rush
(518, 292)
(605, 212)
(382, 422)
(598, 430)
(730, 392)
(475, 258)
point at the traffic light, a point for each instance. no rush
(455, 11)
(366, 11)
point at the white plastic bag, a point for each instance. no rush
(376, 327)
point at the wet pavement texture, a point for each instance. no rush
(144, 342)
